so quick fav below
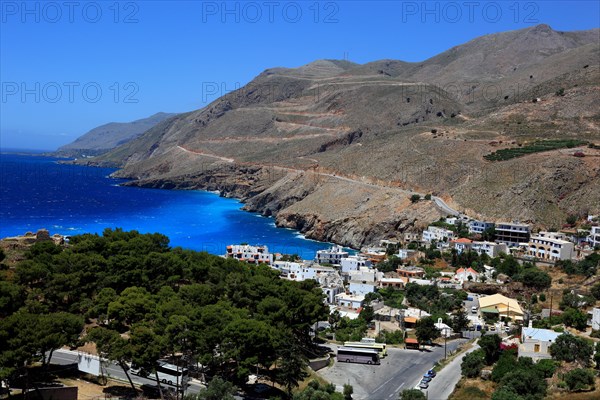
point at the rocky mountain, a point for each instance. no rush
(335, 149)
(108, 136)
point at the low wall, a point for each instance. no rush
(318, 363)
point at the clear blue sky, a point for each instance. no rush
(151, 56)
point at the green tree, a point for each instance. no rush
(460, 322)
(535, 278)
(217, 389)
(415, 198)
(473, 363)
(348, 391)
(291, 367)
(506, 394)
(490, 344)
(113, 347)
(597, 356)
(411, 394)
(426, 330)
(572, 348)
(575, 318)
(546, 367)
(579, 379)
(525, 382)
(316, 391)
(367, 313)
(506, 363)
(428, 196)
(595, 291)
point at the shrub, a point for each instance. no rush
(473, 363)
(415, 198)
(579, 379)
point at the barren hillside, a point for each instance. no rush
(335, 149)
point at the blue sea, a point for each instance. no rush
(37, 192)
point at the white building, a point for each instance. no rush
(251, 254)
(462, 245)
(478, 227)
(361, 288)
(406, 253)
(594, 237)
(349, 301)
(535, 342)
(490, 248)
(333, 255)
(438, 234)
(444, 329)
(462, 275)
(550, 246)
(354, 263)
(594, 318)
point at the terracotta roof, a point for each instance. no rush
(462, 240)
(411, 320)
(411, 340)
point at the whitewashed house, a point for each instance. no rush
(333, 255)
(435, 233)
(354, 263)
(251, 254)
(550, 246)
(535, 342)
(492, 249)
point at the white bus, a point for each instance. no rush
(168, 374)
(380, 347)
(356, 355)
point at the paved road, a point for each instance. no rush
(444, 383)
(401, 369)
(445, 207)
(66, 357)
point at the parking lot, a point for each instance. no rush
(401, 369)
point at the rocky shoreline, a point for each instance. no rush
(321, 208)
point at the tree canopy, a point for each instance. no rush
(230, 316)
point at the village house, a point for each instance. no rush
(354, 263)
(512, 234)
(435, 233)
(535, 342)
(550, 246)
(353, 302)
(409, 255)
(466, 275)
(594, 318)
(478, 227)
(408, 237)
(332, 256)
(501, 306)
(395, 283)
(411, 272)
(412, 316)
(593, 238)
(462, 245)
(251, 254)
(490, 248)
(374, 254)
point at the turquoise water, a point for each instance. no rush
(37, 192)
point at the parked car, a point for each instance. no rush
(474, 310)
(431, 373)
(426, 378)
(423, 385)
